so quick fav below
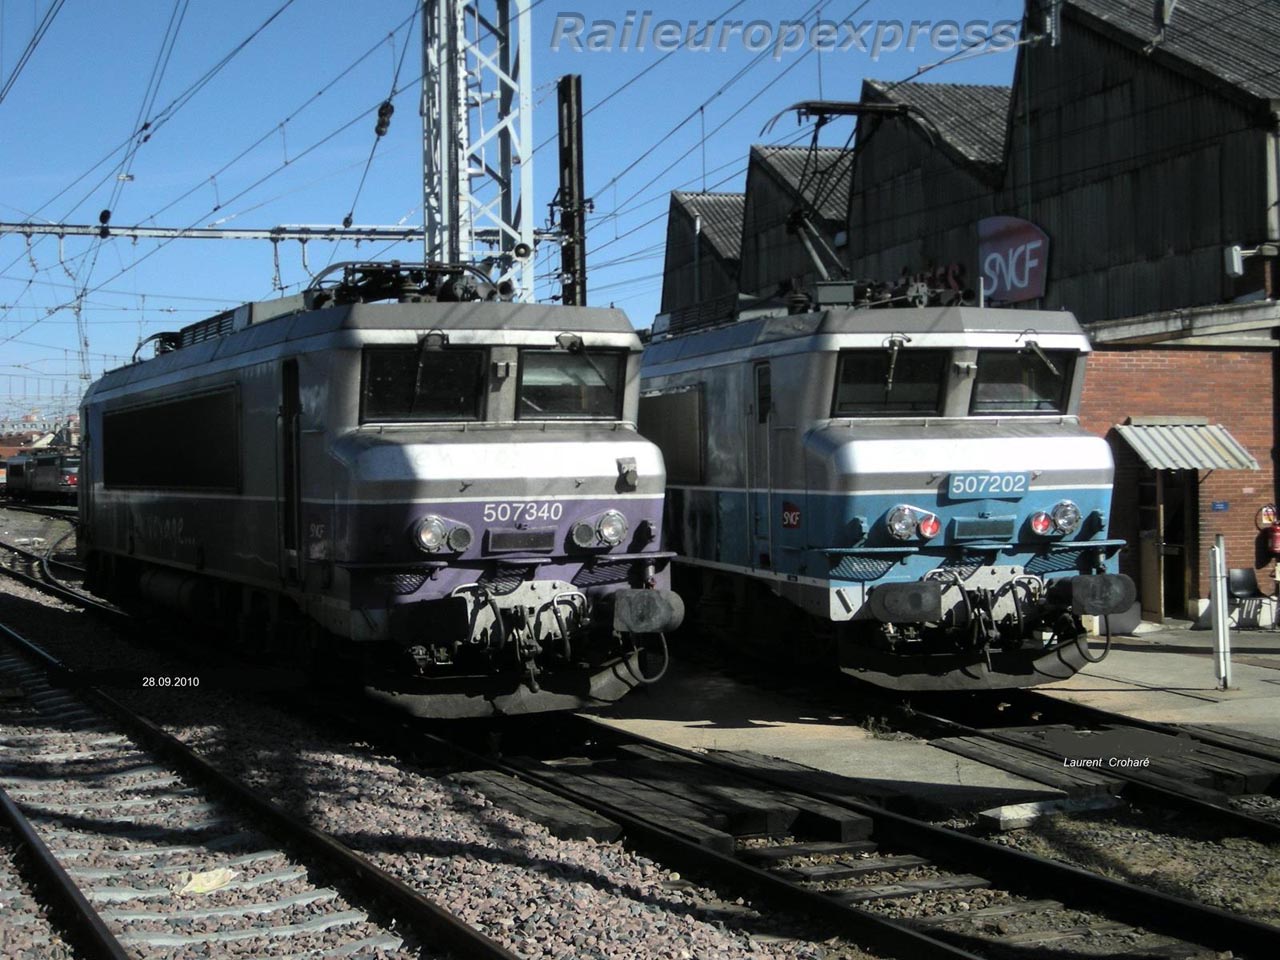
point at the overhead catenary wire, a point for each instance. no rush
(41, 29)
(160, 118)
(164, 243)
(620, 208)
(307, 103)
(123, 173)
(384, 116)
(721, 90)
(629, 209)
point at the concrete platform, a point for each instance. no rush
(1166, 674)
(696, 709)
(1163, 674)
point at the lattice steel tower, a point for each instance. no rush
(477, 137)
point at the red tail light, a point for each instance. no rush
(929, 526)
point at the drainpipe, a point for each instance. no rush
(1273, 232)
(1273, 177)
(697, 258)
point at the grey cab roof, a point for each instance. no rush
(419, 317)
(910, 322)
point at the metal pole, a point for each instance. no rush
(573, 203)
(1219, 613)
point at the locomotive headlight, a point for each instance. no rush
(460, 538)
(901, 522)
(430, 534)
(612, 528)
(1066, 517)
(930, 526)
(584, 534)
(1041, 524)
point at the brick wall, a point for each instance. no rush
(1234, 387)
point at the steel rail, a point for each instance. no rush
(1151, 909)
(80, 915)
(870, 930)
(46, 510)
(1136, 786)
(1046, 703)
(429, 920)
(53, 585)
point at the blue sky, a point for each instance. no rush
(248, 149)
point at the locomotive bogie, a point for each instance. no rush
(403, 480)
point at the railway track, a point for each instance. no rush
(1222, 776)
(791, 840)
(38, 565)
(1218, 776)
(811, 851)
(147, 850)
(59, 511)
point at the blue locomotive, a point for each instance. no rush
(915, 480)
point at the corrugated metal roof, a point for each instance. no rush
(721, 219)
(972, 118)
(1237, 40)
(824, 174)
(1186, 446)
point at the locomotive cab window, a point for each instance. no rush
(421, 384)
(1024, 381)
(890, 382)
(559, 385)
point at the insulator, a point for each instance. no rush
(104, 217)
(385, 110)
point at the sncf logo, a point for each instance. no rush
(790, 516)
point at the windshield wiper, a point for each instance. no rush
(1044, 358)
(432, 341)
(572, 343)
(893, 345)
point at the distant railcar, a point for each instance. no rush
(47, 475)
(449, 492)
(916, 480)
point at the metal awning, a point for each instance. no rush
(1183, 444)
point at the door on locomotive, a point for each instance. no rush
(760, 465)
(288, 505)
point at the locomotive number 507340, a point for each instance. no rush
(523, 510)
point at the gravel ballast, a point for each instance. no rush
(539, 895)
